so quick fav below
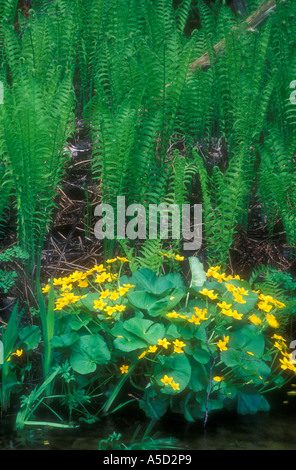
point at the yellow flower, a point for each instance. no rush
(166, 380)
(224, 305)
(175, 386)
(286, 364)
(227, 311)
(236, 315)
(265, 298)
(264, 306)
(114, 295)
(99, 268)
(101, 278)
(83, 283)
(272, 321)
(163, 342)
(142, 355)
(123, 260)
(278, 345)
(172, 315)
(222, 345)
(99, 304)
(124, 369)
(219, 277)
(119, 308)
(230, 287)
(249, 352)
(238, 298)
(104, 294)
(17, 353)
(179, 344)
(178, 350)
(218, 379)
(45, 289)
(111, 260)
(201, 314)
(58, 282)
(152, 349)
(66, 287)
(109, 310)
(209, 293)
(254, 319)
(179, 258)
(279, 304)
(278, 337)
(212, 270)
(194, 320)
(242, 291)
(164, 254)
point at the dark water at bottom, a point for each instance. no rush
(273, 430)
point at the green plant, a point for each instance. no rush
(146, 442)
(139, 74)
(192, 349)
(7, 278)
(36, 116)
(9, 341)
(282, 285)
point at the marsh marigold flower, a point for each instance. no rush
(272, 321)
(175, 386)
(99, 304)
(254, 319)
(163, 342)
(124, 369)
(209, 293)
(167, 380)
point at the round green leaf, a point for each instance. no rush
(30, 336)
(87, 352)
(178, 367)
(65, 340)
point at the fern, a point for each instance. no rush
(36, 117)
(139, 83)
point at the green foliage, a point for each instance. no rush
(280, 284)
(140, 71)
(9, 336)
(36, 118)
(7, 278)
(190, 348)
(147, 442)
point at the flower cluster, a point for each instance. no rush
(265, 303)
(198, 315)
(286, 361)
(95, 278)
(172, 256)
(170, 381)
(178, 347)
(222, 344)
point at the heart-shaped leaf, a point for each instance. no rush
(87, 352)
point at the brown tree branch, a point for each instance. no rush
(252, 22)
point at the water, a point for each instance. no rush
(273, 430)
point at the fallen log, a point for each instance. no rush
(252, 22)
